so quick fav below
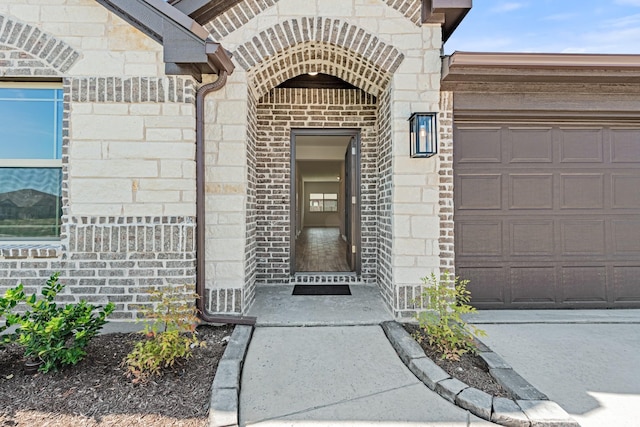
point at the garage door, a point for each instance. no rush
(548, 215)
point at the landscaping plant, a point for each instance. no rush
(447, 299)
(56, 335)
(11, 298)
(170, 332)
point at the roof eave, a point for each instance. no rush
(466, 67)
(187, 48)
(448, 13)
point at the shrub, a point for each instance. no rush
(170, 330)
(8, 302)
(57, 335)
(442, 325)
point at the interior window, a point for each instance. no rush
(323, 202)
(30, 161)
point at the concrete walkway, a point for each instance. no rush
(585, 360)
(336, 376)
(325, 361)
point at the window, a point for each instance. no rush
(323, 202)
(30, 161)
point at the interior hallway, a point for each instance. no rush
(321, 249)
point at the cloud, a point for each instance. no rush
(509, 7)
(625, 21)
(561, 17)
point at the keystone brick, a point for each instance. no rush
(544, 413)
(476, 401)
(507, 413)
(450, 388)
(224, 408)
(405, 346)
(516, 385)
(427, 371)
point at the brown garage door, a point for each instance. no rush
(548, 215)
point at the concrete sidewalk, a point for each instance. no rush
(585, 360)
(337, 376)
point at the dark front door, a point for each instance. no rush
(350, 202)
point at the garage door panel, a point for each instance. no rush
(479, 191)
(532, 284)
(626, 237)
(625, 283)
(530, 145)
(480, 238)
(482, 282)
(625, 145)
(581, 145)
(532, 238)
(584, 284)
(582, 237)
(626, 191)
(531, 191)
(479, 145)
(582, 191)
(554, 223)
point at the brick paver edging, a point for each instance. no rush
(225, 391)
(531, 408)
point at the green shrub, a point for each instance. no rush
(442, 324)
(170, 331)
(57, 335)
(11, 298)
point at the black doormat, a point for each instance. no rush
(321, 290)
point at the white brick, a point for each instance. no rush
(166, 184)
(404, 246)
(111, 109)
(427, 227)
(146, 209)
(100, 191)
(225, 249)
(163, 134)
(179, 209)
(145, 109)
(169, 122)
(103, 127)
(85, 150)
(157, 196)
(151, 150)
(113, 168)
(171, 168)
(91, 209)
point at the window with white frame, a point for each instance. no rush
(30, 161)
(323, 202)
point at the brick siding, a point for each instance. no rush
(277, 113)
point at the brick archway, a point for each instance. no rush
(50, 55)
(243, 12)
(329, 46)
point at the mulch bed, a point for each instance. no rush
(96, 392)
(470, 369)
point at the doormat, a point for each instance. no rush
(321, 290)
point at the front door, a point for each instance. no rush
(325, 201)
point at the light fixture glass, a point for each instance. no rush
(313, 73)
(423, 138)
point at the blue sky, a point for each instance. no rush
(559, 26)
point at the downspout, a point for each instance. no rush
(201, 302)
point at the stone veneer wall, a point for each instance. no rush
(278, 112)
(128, 153)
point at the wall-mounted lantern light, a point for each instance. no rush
(423, 137)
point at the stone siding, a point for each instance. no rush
(128, 156)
